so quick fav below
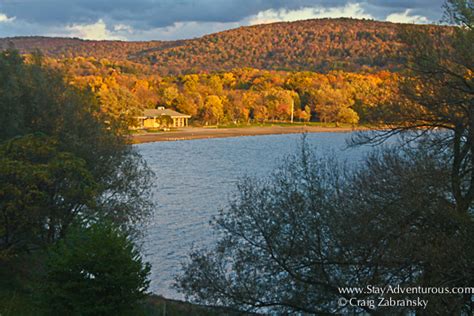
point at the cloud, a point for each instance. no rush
(5, 19)
(94, 31)
(351, 10)
(407, 17)
(190, 29)
(147, 14)
(177, 19)
(183, 30)
(122, 27)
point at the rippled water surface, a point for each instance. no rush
(194, 179)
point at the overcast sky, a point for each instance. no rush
(178, 19)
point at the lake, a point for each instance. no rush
(194, 179)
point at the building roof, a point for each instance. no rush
(162, 111)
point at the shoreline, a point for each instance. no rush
(191, 133)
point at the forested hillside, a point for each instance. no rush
(59, 47)
(314, 45)
(319, 45)
(240, 96)
(328, 70)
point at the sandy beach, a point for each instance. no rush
(203, 133)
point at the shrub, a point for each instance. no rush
(94, 271)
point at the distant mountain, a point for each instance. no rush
(59, 47)
(315, 45)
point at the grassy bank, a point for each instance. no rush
(284, 124)
(236, 131)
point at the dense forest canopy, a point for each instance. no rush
(62, 47)
(326, 70)
(315, 45)
(240, 96)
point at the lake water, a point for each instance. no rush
(194, 179)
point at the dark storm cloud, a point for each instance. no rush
(46, 17)
(159, 13)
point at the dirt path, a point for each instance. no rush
(202, 133)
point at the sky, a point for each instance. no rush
(183, 19)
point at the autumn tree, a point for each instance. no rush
(188, 104)
(120, 104)
(213, 110)
(280, 103)
(169, 95)
(190, 82)
(145, 93)
(372, 92)
(304, 115)
(215, 85)
(334, 105)
(236, 108)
